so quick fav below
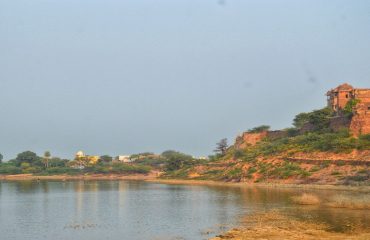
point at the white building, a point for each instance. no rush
(124, 158)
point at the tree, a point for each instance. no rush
(1, 158)
(106, 159)
(28, 157)
(47, 156)
(301, 119)
(319, 119)
(57, 162)
(176, 160)
(221, 147)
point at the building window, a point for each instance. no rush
(368, 108)
(346, 95)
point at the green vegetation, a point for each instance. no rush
(29, 162)
(319, 120)
(8, 168)
(177, 160)
(311, 133)
(311, 141)
(106, 159)
(221, 147)
(351, 104)
(259, 129)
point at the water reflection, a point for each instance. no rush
(141, 210)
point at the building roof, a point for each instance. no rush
(342, 87)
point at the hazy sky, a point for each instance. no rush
(120, 77)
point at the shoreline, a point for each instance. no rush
(64, 177)
(153, 177)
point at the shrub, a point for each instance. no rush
(319, 119)
(288, 169)
(335, 173)
(259, 129)
(238, 154)
(343, 201)
(252, 170)
(60, 170)
(129, 169)
(315, 169)
(6, 168)
(306, 199)
(348, 109)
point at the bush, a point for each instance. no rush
(306, 199)
(31, 170)
(259, 129)
(59, 170)
(315, 169)
(6, 168)
(364, 142)
(129, 169)
(238, 153)
(177, 160)
(288, 169)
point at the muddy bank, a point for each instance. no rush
(275, 225)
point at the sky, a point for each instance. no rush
(121, 77)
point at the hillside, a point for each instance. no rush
(310, 152)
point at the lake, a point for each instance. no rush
(147, 211)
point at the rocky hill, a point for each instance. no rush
(319, 149)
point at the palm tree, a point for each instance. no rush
(46, 158)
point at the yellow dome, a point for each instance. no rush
(80, 154)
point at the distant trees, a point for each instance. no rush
(176, 160)
(106, 159)
(57, 162)
(221, 147)
(1, 158)
(27, 157)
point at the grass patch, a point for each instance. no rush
(342, 201)
(306, 199)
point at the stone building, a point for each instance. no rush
(83, 160)
(337, 101)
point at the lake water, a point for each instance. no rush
(130, 210)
